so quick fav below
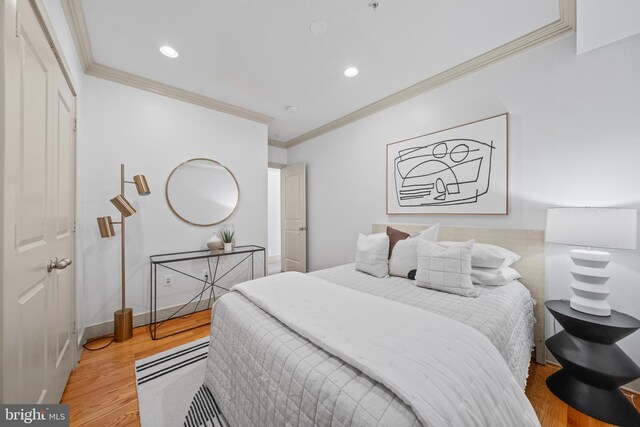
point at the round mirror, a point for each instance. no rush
(202, 192)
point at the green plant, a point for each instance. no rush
(227, 236)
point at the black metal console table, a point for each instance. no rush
(169, 261)
(593, 366)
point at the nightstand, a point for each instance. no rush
(593, 366)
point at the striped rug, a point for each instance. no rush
(170, 389)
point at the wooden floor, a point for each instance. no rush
(102, 390)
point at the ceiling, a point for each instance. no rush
(261, 55)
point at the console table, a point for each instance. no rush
(593, 365)
(246, 255)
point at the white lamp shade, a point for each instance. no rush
(613, 228)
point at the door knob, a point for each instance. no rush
(56, 264)
(302, 228)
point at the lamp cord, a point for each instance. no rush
(206, 282)
(98, 339)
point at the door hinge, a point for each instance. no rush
(75, 125)
(73, 226)
(17, 23)
(15, 236)
(73, 327)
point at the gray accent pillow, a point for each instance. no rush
(445, 268)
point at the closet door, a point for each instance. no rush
(61, 303)
(39, 180)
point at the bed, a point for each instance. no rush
(504, 314)
(267, 369)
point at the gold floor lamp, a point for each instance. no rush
(123, 318)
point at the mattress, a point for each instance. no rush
(504, 314)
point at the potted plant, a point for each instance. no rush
(227, 239)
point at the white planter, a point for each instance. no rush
(228, 247)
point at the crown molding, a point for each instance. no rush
(561, 28)
(276, 143)
(544, 35)
(133, 80)
(78, 26)
(75, 18)
(568, 13)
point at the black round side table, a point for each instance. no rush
(593, 365)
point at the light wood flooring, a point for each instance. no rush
(102, 390)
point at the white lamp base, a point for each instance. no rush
(589, 284)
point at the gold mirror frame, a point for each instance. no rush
(166, 191)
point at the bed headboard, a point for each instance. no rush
(527, 243)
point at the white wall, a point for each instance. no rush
(274, 213)
(602, 22)
(152, 134)
(277, 155)
(575, 141)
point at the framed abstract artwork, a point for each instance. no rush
(460, 170)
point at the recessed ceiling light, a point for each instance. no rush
(318, 27)
(292, 109)
(351, 72)
(169, 51)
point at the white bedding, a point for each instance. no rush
(449, 373)
(503, 314)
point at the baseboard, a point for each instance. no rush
(79, 344)
(142, 319)
(273, 259)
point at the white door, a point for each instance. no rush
(294, 218)
(39, 194)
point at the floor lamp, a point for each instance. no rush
(123, 318)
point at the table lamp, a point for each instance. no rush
(613, 228)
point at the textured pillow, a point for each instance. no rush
(371, 254)
(494, 276)
(404, 258)
(394, 237)
(489, 256)
(445, 268)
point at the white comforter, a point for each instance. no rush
(447, 372)
(503, 314)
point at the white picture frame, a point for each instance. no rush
(463, 170)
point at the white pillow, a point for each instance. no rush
(430, 233)
(371, 254)
(404, 257)
(445, 268)
(494, 276)
(490, 256)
